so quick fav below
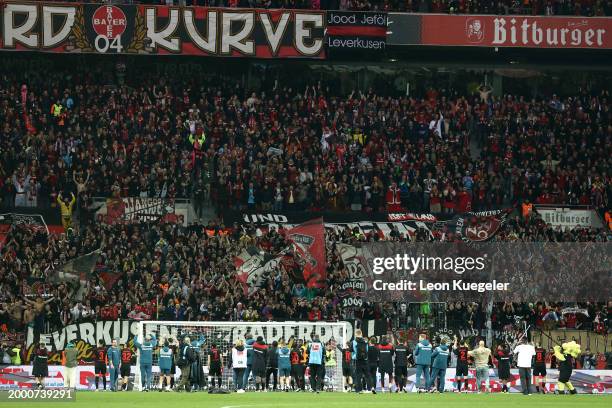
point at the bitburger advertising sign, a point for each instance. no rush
(500, 31)
(517, 31)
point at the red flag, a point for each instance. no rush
(109, 279)
(308, 240)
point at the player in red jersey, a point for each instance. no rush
(127, 357)
(539, 369)
(461, 372)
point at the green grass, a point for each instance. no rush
(327, 400)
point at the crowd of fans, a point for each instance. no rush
(287, 149)
(283, 149)
(517, 7)
(172, 272)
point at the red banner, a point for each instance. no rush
(516, 31)
(308, 240)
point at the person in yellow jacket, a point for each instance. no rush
(304, 349)
(197, 141)
(359, 137)
(66, 210)
(15, 354)
(201, 139)
(566, 355)
(330, 365)
(56, 108)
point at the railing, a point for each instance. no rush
(98, 200)
(569, 206)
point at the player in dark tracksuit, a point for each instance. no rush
(215, 366)
(373, 356)
(401, 366)
(385, 362)
(260, 357)
(347, 360)
(100, 361)
(539, 369)
(298, 356)
(503, 366)
(461, 372)
(360, 359)
(272, 369)
(40, 365)
(127, 357)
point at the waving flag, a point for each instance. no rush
(308, 240)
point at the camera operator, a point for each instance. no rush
(185, 358)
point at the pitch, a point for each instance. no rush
(329, 400)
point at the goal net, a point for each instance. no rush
(225, 334)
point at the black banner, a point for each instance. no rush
(404, 29)
(298, 217)
(470, 227)
(356, 31)
(378, 224)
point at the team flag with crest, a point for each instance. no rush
(308, 240)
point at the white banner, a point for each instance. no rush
(131, 209)
(574, 310)
(229, 332)
(569, 218)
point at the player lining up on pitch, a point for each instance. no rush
(165, 361)
(462, 369)
(440, 362)
(290, 359)
(146, 360)
(402, 354)
(298, 356)
(347, 361)
(40, 368)
(360, 358)
(422, 354)
(215, 366)
(539, 369)
(100, 362)
(284, 366)
(503, 365)
(381, 358)
(127, 359)
(260, 354)
(386, 352)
